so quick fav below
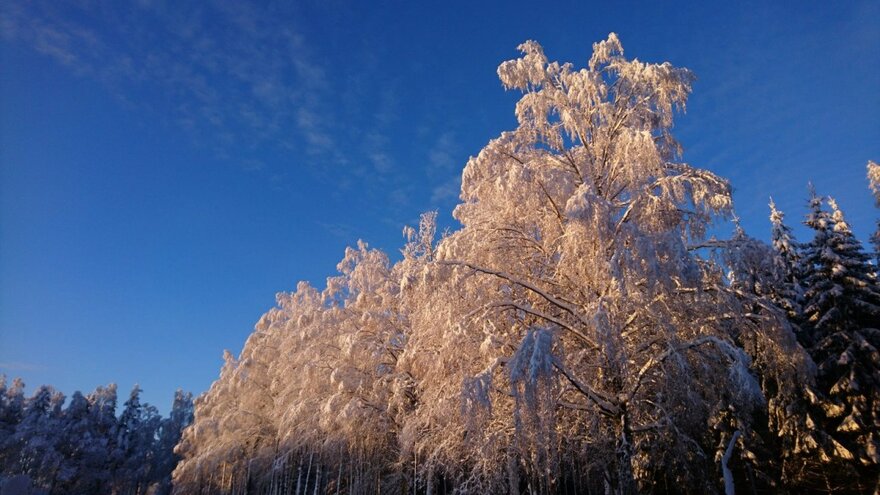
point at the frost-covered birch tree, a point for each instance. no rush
(586, 321)
(312, 400)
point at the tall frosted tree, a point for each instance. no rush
(313, 389)
(231, 425)
(575, 304)
(128, 440)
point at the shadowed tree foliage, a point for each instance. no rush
(84, 448)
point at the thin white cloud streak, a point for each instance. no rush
(245, 83)
(233, 77)
(21, 366)
(443, 162)
(447, 191)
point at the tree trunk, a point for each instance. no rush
(626, 483)
(512, 475)
(308, 473)
(725, 469)
(299, 475)
(317, 479)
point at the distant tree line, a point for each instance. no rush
(580, 333)
(84, 448)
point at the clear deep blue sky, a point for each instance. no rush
(165, 169)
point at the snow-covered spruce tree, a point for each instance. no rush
(136, 436)
(874, 183)
(11, 410)
(84, 453)
(75, 446)
(88, 443)
(841, 284)
(103, 454)
(596, 346)
(37, 435)
(841, 313)
(786, 291)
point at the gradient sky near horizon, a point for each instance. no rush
(167, 167)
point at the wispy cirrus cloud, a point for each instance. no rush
(443, 169)
(233, 76)
(441, 156)
(250, 83)
(21, 366)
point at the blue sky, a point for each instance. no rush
(167, 167)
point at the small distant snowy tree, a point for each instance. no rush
(128, 440)
(874, 183)
(753, 266)
(103, 454)
(787, 291)
(30, 433)
(31, 449)
(11, 411)
(169, 434)
(77, 448)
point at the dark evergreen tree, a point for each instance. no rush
(841, 315)
(136, 435)
(76, 447)
(169, 435)
(30, 450)
(11, 409)
(840, 284)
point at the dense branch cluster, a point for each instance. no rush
(578, 334)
